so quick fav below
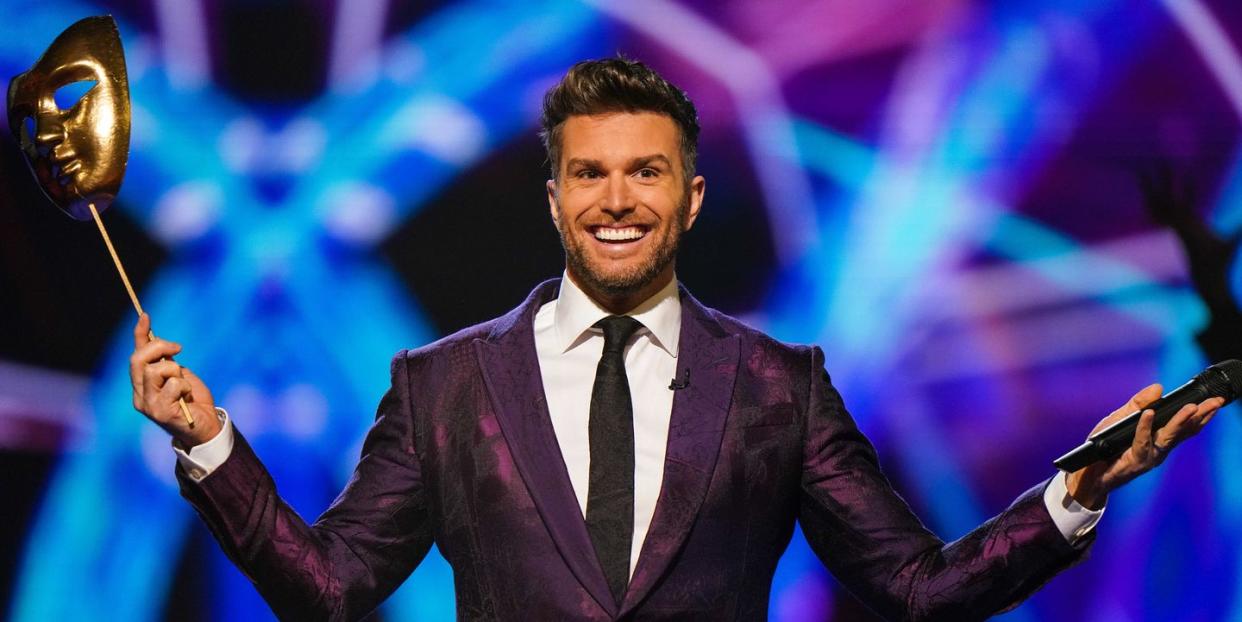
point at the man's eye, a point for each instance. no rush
(648, 173)
(588, 174)
(70, 94)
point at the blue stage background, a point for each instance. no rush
(945, 195)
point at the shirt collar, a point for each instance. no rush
(576, 313)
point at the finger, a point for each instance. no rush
(142, 331)
(1207, 407)
(173, 391)
(1179, 428)
(159, 372)
(1143, 441)
(155, 379)
(182, 388)
(1207, 410)
(153, 351)
(1207, 419)
(145, 355)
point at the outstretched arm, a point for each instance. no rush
(355, 554)
(875, 545)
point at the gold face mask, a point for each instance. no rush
(78, 154)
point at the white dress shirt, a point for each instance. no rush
(569, 348)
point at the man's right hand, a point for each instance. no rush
(159, 383)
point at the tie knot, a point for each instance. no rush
(617, 330)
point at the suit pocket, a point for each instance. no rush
(782, 413)
(760, 426)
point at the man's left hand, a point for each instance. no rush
(1090, 486)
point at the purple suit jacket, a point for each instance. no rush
(463, 454)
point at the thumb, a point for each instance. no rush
(1149, 394)
(142, 330)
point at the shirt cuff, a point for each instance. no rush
(201, 460)
(1072, 519)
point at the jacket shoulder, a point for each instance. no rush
(755, 337)
(761, 350)
(449, 347)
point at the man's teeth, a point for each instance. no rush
(628, 233)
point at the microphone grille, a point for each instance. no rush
(1231, 373)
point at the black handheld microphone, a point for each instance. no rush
(1223, 379)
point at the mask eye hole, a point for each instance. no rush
(70, 94)
(28, 124)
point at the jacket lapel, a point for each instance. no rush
(511, 372)
(695, 430)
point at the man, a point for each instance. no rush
(562, 474)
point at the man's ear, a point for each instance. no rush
(552, 206)
(698, 188)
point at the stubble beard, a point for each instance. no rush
(635, 279)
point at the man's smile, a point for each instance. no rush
(618, 234)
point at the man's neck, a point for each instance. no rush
(624, 303)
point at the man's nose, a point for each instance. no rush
(49, 132)
(619, 200)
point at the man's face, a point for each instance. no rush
(79, 153)
(620, 202)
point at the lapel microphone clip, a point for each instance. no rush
(677, 385)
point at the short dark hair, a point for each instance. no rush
(594, 87)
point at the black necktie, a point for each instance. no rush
(610, 494)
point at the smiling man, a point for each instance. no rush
(612, 449)
(619, 201)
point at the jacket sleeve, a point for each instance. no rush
(356, 553)
(873, 543)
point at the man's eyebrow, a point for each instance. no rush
(584, 163)
(634, 162)
(655, 157)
